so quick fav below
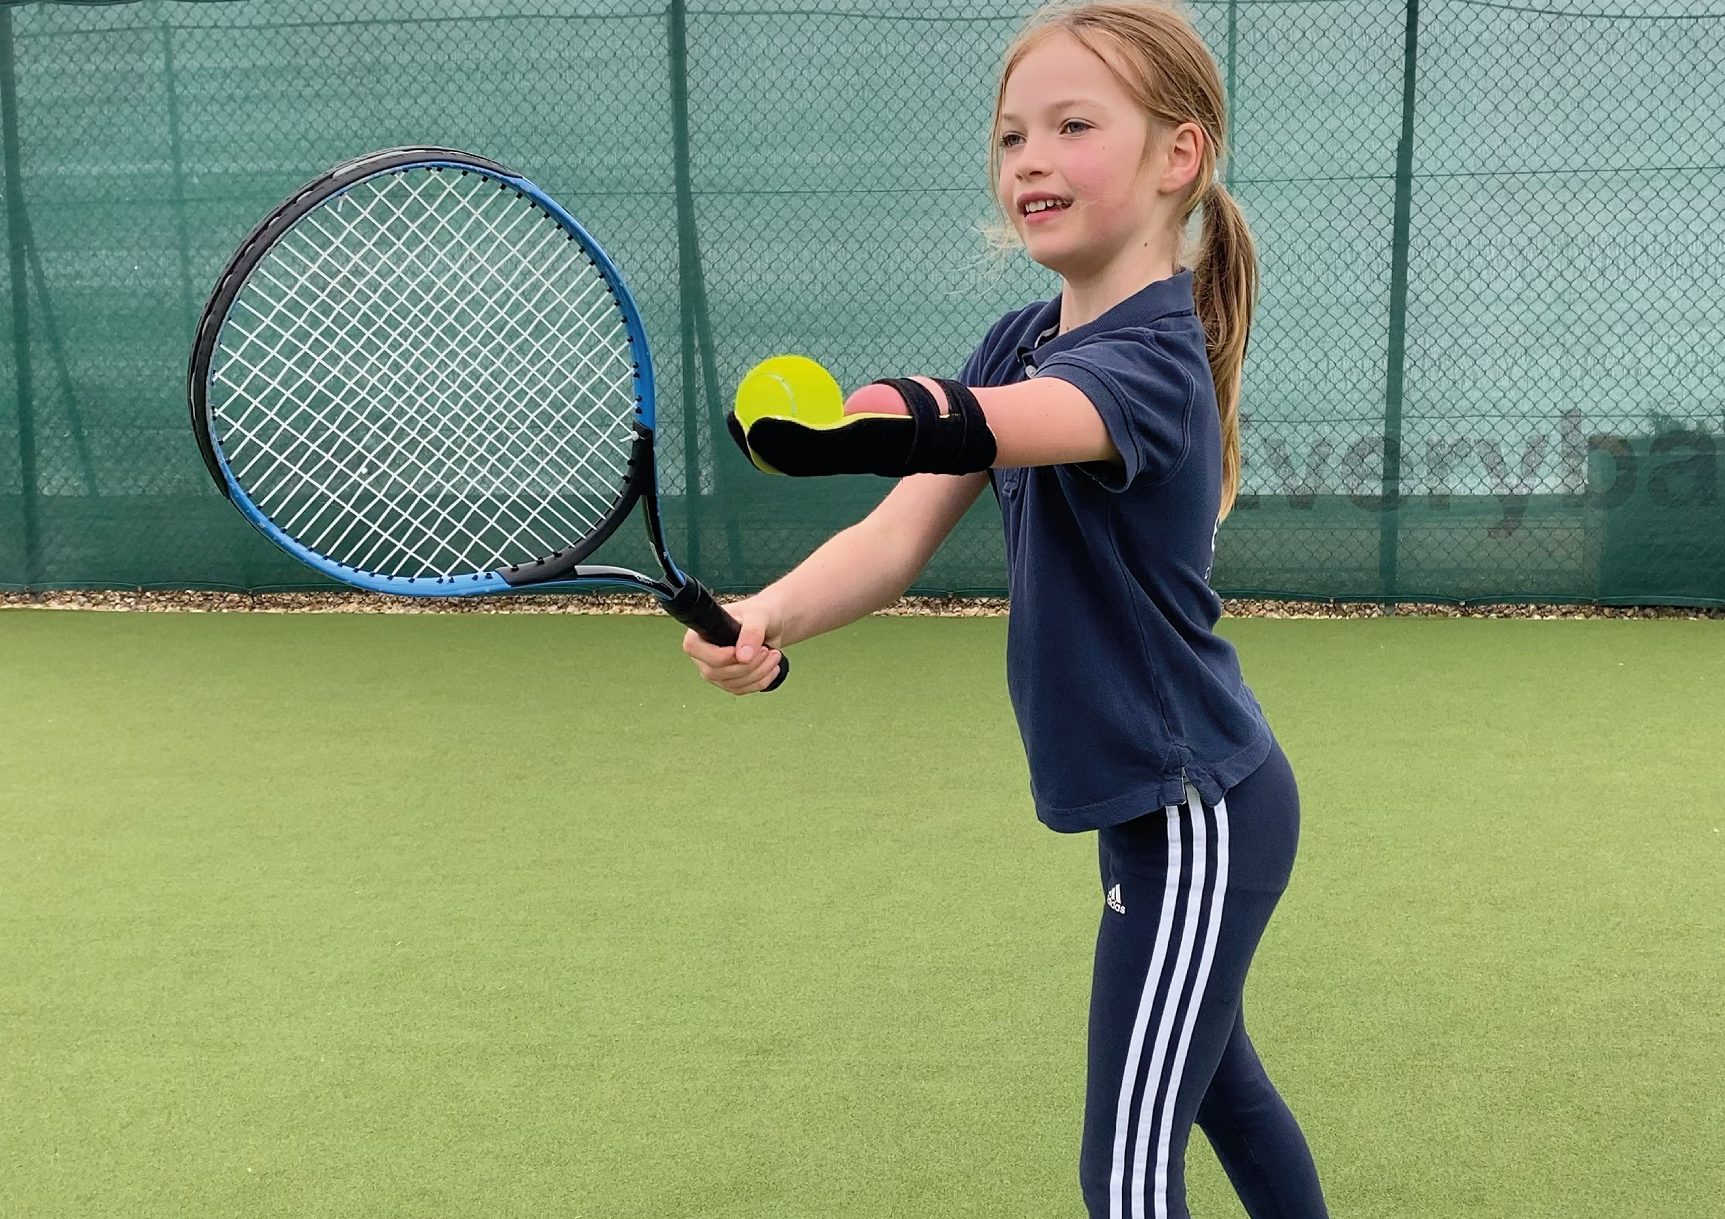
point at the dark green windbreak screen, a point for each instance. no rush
(1487, 364)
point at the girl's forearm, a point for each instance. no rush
(855, 573)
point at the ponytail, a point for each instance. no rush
(1225, 291)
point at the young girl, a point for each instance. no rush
(1106, 421)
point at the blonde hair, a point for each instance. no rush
(1158, 56)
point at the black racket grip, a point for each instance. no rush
(695, 608)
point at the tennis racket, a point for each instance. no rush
(420, 375)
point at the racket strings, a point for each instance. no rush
(444, 319)
(404, 381)
(414, 431)
(426, 377)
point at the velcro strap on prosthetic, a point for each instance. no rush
(976, 446)
(959, 442)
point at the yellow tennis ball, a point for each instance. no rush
(794, 387)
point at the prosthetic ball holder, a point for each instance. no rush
(890, 446)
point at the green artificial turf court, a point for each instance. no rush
(463, 915)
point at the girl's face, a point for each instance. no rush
(1070, 132)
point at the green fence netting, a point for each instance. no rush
(1486, 365)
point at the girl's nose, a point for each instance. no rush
(1031, 161)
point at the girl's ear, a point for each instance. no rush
(1184, 149)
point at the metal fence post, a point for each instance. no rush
(1390, 503)
(15, 247)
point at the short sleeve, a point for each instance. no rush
(1144, 394)
(975, 369)
(972, 369)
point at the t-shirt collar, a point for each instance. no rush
(1163, 298)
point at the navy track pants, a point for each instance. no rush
(1187, 892)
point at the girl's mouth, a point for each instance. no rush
(1044, 210)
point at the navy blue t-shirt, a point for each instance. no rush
(1123, 692)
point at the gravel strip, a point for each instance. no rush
(203, 601)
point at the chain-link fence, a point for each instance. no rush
(1486, 365)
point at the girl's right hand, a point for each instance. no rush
(752, 664)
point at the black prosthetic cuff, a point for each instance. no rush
(958, 442)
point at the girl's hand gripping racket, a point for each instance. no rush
(419, 375)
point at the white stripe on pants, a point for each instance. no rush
(1197, 933)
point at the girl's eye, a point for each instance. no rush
(1012, 137)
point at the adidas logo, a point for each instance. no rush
(1114, 902)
